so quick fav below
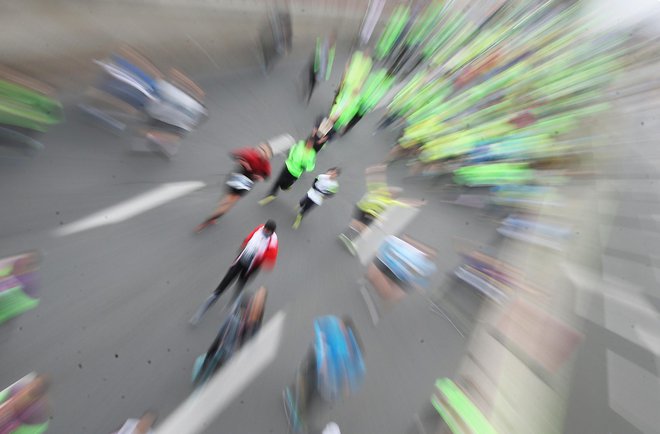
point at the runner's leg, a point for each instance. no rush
(215, 295)
(306, 204)
(243, 278)
(312, 81)
(352, 123)
(212, 350)
(305, 385)
(280, 179)
(226, 203)
(288, 180)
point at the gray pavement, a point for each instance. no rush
(55, 40)
(616, 377)
(111, 329)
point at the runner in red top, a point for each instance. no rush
(253, 165)
(258, 250)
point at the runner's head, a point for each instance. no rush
(269, 228)
(309, 144)
(334, 172)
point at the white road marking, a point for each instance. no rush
(373, 311)
(633, 392)
(626, 311)
(198, 412)
(132, 207)
(394, 221)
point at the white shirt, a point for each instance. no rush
(326, 185)
(175, 107)
(257, 244)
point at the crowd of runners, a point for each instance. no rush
(491, 104)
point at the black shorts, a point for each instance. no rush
(363, 217)
(390, 275)
(286, 179)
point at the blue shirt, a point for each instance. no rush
(408, 263)
(339, 363)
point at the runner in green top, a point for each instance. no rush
(24, 107)
(392, 32)
(458, 411)
(375, 87)
(378, 198)
(320, 67)
(418, 31)
(395, 107)
(347, 101)
(302, 158)
(494, 174)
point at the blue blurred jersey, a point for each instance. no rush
(339, 363)
(406, 262)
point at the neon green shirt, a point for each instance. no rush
(300, 159)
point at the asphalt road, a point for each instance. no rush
(112, 327)
(112, 330)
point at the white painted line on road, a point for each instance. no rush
(198, 412)
(633, 392)
(371, 306)
(626, 311)
(394, 221)
(132, 207)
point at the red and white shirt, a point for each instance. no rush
(259, 249)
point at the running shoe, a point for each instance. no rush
(296, 223)
(200, 227)
(296, 425)
(266, 200)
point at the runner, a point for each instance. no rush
(19, 285)
(400, 266)
(253, 165)
(243, 323)
(347, 100)
(333, 368)
(323, 132)
(258, 249)
(24, 406)
(378, 198)
(302, 158)
(276, 36)
(325, 185)
(375, 87)
(320, 67)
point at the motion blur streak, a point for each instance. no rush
(461, 196)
